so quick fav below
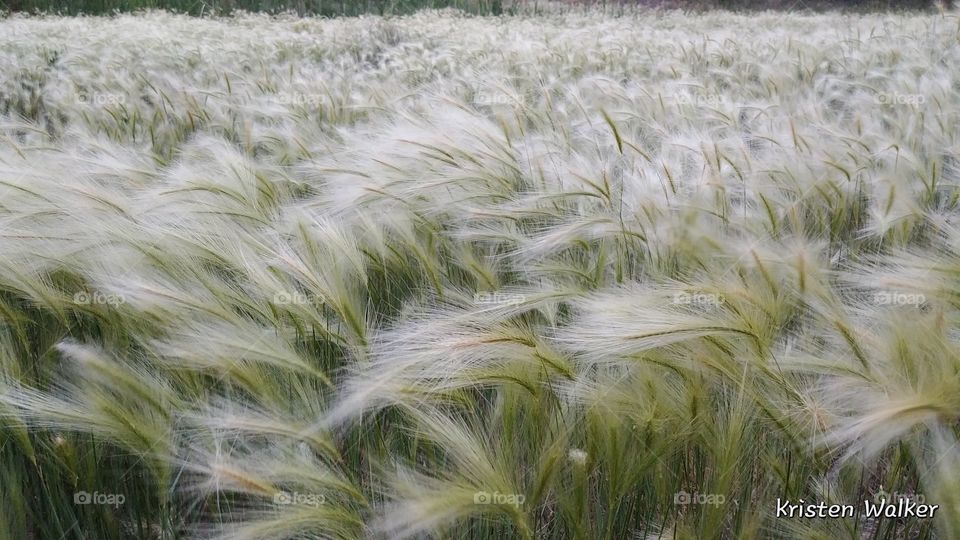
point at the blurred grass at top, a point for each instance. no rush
(384, 7)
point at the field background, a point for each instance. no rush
(480, 7)
(566, 274)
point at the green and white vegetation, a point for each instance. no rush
(443, 276)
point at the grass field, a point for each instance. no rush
(325, 8)
(335, 8)
(563, 276)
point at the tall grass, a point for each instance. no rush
(553, 276)
(331, 8)
(326, 8)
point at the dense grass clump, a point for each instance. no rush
(554, 276)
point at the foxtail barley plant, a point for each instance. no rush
(554, 275)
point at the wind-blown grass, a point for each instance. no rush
(448, 276)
